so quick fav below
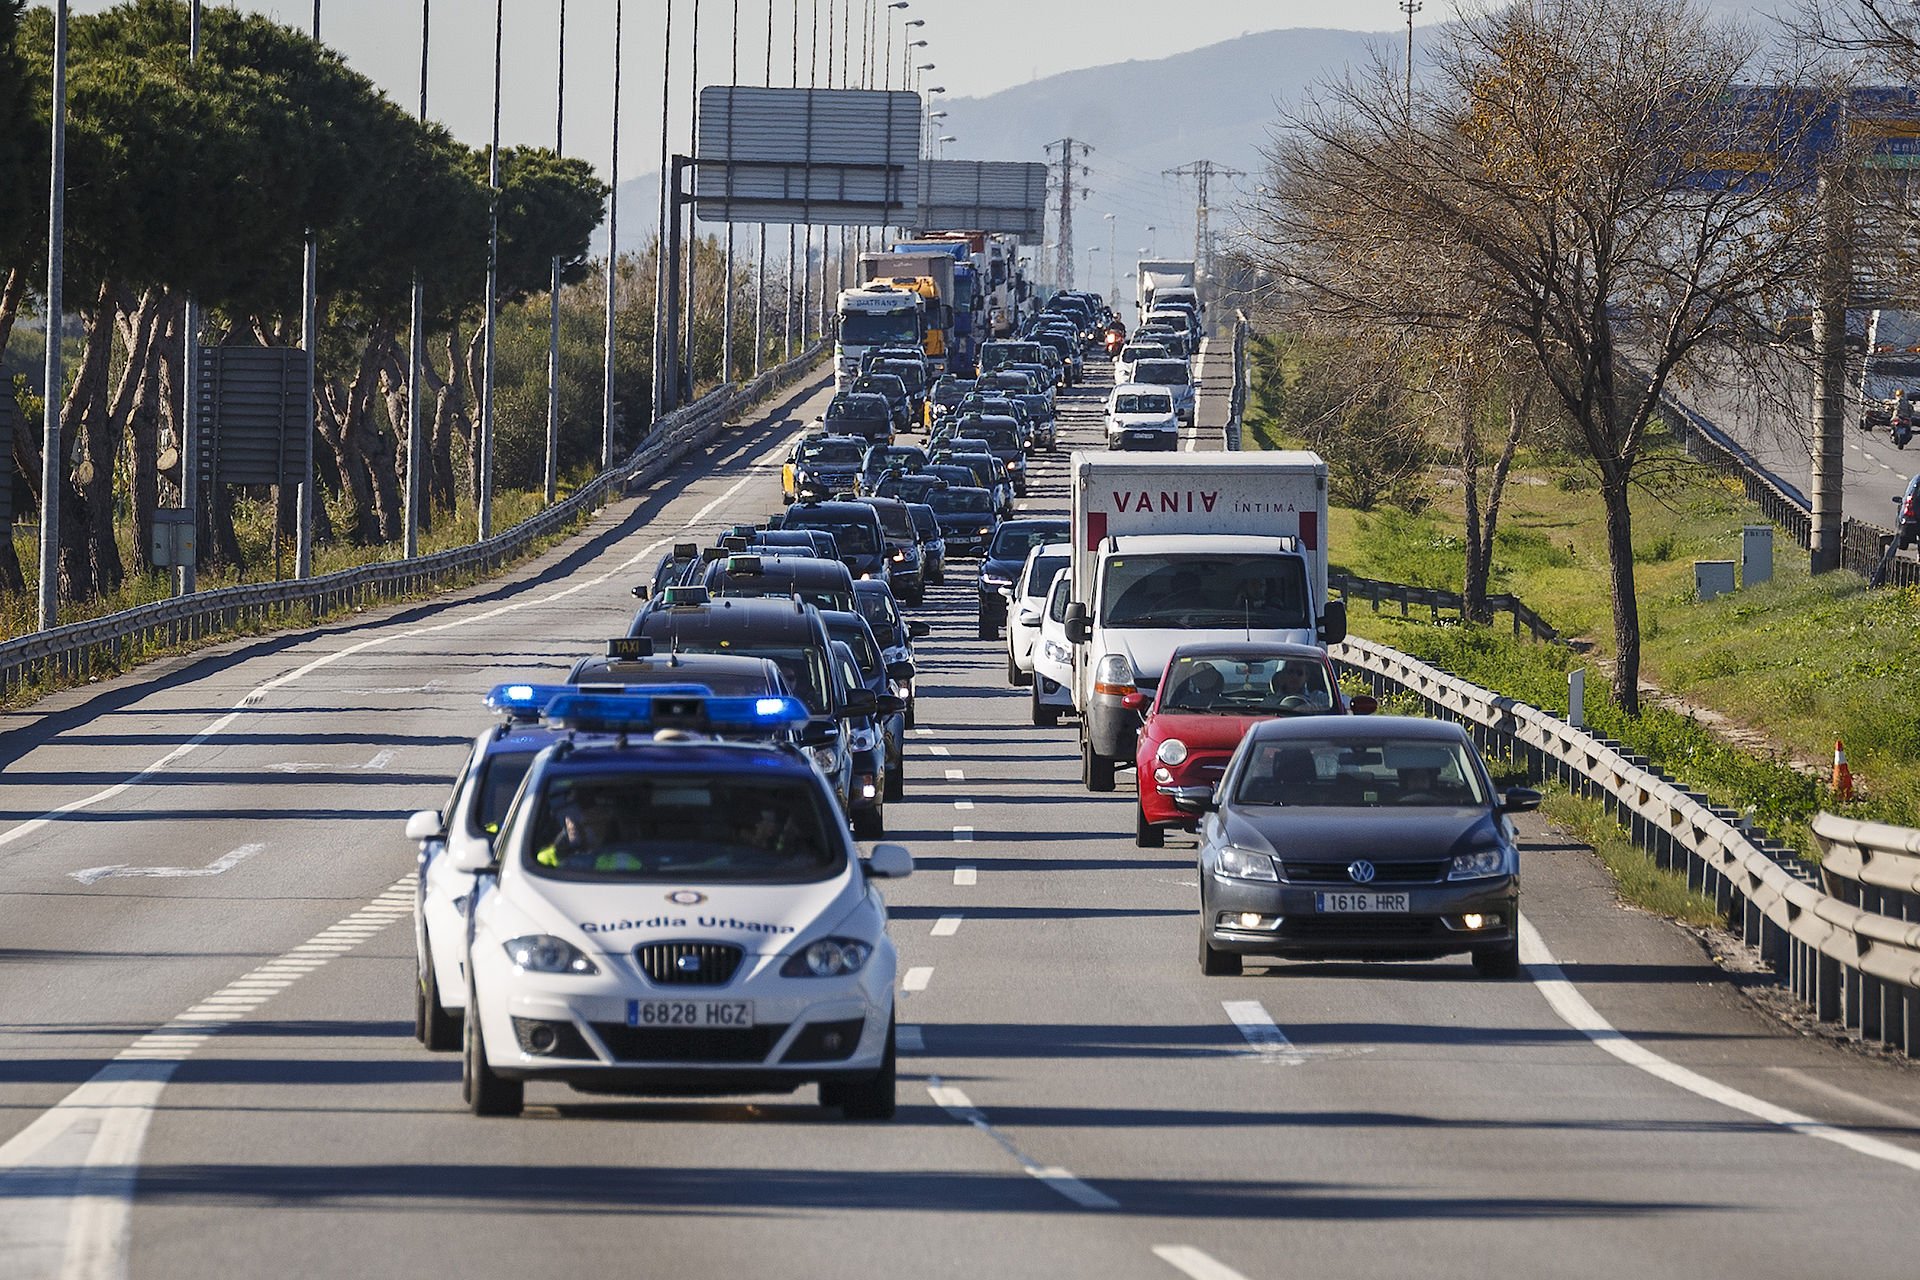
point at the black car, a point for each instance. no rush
(824, 584)
(913, 374)
(1006, 440)
(879, 676)
(1006, 351)
(1006, 556)
(906, 571)
(946, 393)
(723, 675)
(876, 603)
(933, 544)
(856, 532)
(824, 465)
(788, 633)
(908, 488)
(1907, 526)
(1374, 837)
(1043, 426)
(891, 388)
(956, 476)
(860, 413)
(818, 541)
(884, 458)
(967, 518)
(673, 566)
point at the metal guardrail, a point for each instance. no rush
(116, 640)
(1866, 549)
(1435, 599)
(1839, 948)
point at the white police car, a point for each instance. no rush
(672, 913)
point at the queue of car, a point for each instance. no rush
(645, 877)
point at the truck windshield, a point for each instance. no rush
(871, 329)
(1267, 593)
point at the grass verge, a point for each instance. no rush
(1640, 880)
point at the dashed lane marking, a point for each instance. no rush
(917, 978)
(963, 835)
(1265, 1038)
(957, 1105)
(963, 876)
(946, 926)
(963, 804)
(956, 775)
(1190, 1261)
(939, 751)
(225, 862)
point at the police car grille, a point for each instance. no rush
(688, 964)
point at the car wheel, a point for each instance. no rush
(869, 824)
(988, 631)
(1013, 670)
(909, 713)
(436, 1025)
(874, 1097)
(1215, 963)
(487, 1094)
(1095, 769)
(1502, 961)
(1043, 716)
(1145, 834)
(896, 788)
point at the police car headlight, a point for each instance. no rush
(827, 958)
(544, 953)
(1172, 751)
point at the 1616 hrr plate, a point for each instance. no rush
(1361, 903)
(704, 1014)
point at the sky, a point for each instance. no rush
(977, 48)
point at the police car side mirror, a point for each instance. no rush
(424, 825)
(888, 862)
(475, 858)
(919, 630)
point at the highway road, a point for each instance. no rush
(206, 1066)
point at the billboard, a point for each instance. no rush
(821, 157)
(984, 195)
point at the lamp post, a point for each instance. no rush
(1153, 242)
(927, 131)
(613, 252)
(484, 505)
(943, 144)
(50, 459)
(416, 365)
(553, 294)
(886, 63)
(1113, 260)
(905, 58)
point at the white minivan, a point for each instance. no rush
(1143, 417)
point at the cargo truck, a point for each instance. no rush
(1158, 274)
(874, 316)
(1172, 549)
(968, 250)
(931, 276)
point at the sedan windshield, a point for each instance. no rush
(961, 502)
(1267, 593)
(1410, 772)
(684, 827)
(1044, 567)
(1014, 541)
(829, 453)
(1223, 685)
(1163, 373)
(852, 539)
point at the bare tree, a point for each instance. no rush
(1571, 178)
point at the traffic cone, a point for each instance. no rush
(1842, 776)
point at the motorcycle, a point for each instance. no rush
(1901, 432)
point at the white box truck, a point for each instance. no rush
(1173, 549)
(1158, 275)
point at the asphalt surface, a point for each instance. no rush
(213, 1074)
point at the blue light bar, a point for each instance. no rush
(524, 701)
(646, 712)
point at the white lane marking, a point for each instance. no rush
(946, 926)
(1573, 1009)
(939, 751)
(1190, 1261)
(96, 1133)
(225, 862)
(963, 876)
(380, 760)
(956, 775)
(299, 766)
(925, 733)
(963, 805)
(957, 1105)
(909, 1039)
(963, 835)
(1848, 1096)
(1266, 1039)
(917, 978)
(253, 698)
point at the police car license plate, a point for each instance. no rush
(1357, 903)
(689, 1013)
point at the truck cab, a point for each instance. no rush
(876, 315)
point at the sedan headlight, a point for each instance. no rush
(995, 580)
(827, 958)
(544, 953)
(1479, 864)
(984, 530)
(1244, 864)
(824, 758)
(1056, 652)
(863, 739)
(1172, 751)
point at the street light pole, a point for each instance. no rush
(484, 511)
(663, 355)
(613, 253)
(185, 576)
(50, 457)
(309, 339)
(760, 273)
(553, 294)
(726, 297)
(693, 230)
(416, 361)
(1113, 262)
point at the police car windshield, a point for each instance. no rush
(500, 777)
(683, 827)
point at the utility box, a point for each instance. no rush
(1712, 579)
(1756, 554)
(173, 538)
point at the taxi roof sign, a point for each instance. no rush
(630, 648)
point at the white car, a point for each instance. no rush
(1173, 376)
(1133, 353)
(456, 835)
(1142, 417)
(1053, 654)
(671, 913)
(1025, 600)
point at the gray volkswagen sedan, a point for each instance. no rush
(1377, 838)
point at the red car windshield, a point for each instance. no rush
(1223, 685)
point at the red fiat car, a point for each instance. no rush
(1209, 696)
